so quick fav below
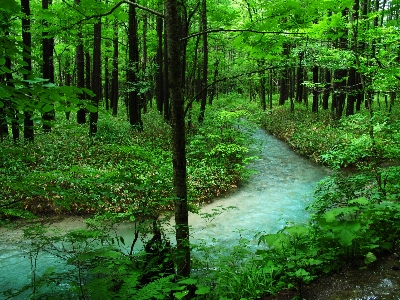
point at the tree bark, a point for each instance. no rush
(205, 62)
(159, 62)
(315, 89)
(80, 74)
(96, 78)
(133, 97)
(178, 137)
(48, 65)
(27, 41)
(114, 84)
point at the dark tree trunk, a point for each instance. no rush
(133, 97)
(80, 74)
(205, 62)
(114, 85)
(315, 90)
(106, 83)
(178, 138)
(166, 108)
(299, 79)
(88, 84)
(214, 86)
(27, 41)
(284, 90)
(144, 95)
(327, 89)
(351, 97)
(159, 62)
(48, 66)
(96, 79)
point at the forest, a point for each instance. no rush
(141, 111)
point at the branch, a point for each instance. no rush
(87, 18)
(240, 30)
(223, 79)
(154, 12)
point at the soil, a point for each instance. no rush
(378, 281)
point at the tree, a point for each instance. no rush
(27, 41)
(80, 73)
(135, 118)
(48, 64)
(178, 137)
(96, 79)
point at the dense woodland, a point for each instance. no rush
(129, 110)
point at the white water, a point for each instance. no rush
(277, 194)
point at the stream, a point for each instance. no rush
(274, 195)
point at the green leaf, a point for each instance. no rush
(346, 237)
(4, 93)
(47, 108)
(188, 281)
(180, 295)
(203, 290)
(369, 258)
(361, 200)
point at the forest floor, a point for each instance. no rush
(380, 280)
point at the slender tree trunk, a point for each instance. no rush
(284, 90)
(299, 79)
(48, 65)
(96, 80)
(106, 83)
(134, 99)
(327, 89)
(214, 86)
(315, 90)
(166, 103)
(159, 62)
(27, 41)
(88, 83)
(80, 74)
(115, 84)
(145, 94)
(205, 61)
(178, 138)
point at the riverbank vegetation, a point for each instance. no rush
(132, 111)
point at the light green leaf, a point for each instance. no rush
(203, 290)
(369, 258)
(180, 295)
(188, 281)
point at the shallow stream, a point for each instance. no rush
(276, 194)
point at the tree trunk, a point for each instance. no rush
(315, 89)
(205, 61)
(166, 108)
(133, 97)
(27, 41)
(159, 62)
(80, 74)
(145, 94)
(178, 138)
(327, 89)
(96, 79)
(114, 84)
(48, 66)
(284, 91)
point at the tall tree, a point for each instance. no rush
(96, 79)
(205, 61)
(27, 41)
(80, 73)
(48, 64)
(114, 83)
(135, 118)
(178, 137)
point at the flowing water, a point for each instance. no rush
(276, 194)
